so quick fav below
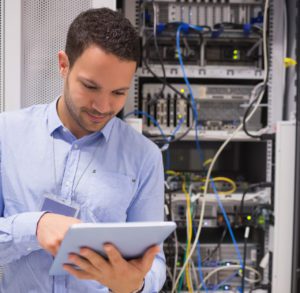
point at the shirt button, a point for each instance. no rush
(75, 146)
(28, 249)
(65, 129)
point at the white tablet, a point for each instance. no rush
(131, 238)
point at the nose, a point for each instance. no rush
(101, 103)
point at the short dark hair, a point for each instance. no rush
(105, 28)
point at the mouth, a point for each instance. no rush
(97, 118)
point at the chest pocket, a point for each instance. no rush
(106, 197)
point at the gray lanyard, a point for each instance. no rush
(84, 171)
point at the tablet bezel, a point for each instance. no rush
(131, 238)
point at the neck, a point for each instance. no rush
(67, 120)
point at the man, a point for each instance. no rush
(75, 154)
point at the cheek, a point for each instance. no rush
(82, 98)
(118, 104)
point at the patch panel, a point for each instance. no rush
(219, 107)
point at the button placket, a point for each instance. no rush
(71, 171)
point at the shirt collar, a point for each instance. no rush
(53, 118)
(54, 121)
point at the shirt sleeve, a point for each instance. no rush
(148, 205)
(18, 236)
(18, 232)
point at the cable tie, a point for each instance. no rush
(289, 62)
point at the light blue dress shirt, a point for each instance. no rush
(115, 175)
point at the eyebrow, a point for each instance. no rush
(92, 83)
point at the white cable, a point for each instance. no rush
(190, 276)
(176, 254)
(154, 18)
(254, 93)
(167, 186)
(169, 272)
(233, 267)
(225, 144)
(169, 179)
(194, 274)
(206, 188)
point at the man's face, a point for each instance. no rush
(95, 89)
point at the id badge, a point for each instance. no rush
(54, 205)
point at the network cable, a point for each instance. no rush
(233, 267)
(166, 139)
(246, 236)
(227, 141)
(227, 280)
(157, 49)
(228, 224)
(252, 187)
(186, 26)
(189, 230)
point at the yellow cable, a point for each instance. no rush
(171, 172)
(189, 232)
(225, 179)
(207, 162)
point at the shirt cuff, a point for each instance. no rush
(140, 290)
(24, 231)
(147, 284)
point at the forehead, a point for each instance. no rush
(104, 68)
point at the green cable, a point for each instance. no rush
(185, 255)
(182, 276)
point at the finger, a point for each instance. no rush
(53, 249)
(53, 252)
(52, 245)
(77, 273)
(148, 258)
(84, 264)
(95, 259)
(58, 244)
(114, 256)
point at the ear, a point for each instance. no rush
(63, 62)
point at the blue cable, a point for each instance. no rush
(153, 120)
(193, 103)
(194, 109)
(199, 260)
(168, 160)
(227, 222)
(177, 127)
(168, 156)
(228, 279)
(156, 123)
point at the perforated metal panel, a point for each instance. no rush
(44, 29)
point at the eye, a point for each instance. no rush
(119, 93)
(88, 86)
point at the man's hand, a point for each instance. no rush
(116, 273)
(51, 230)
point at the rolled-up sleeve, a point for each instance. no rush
(17, 232)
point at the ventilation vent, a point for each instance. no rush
(44, 29)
